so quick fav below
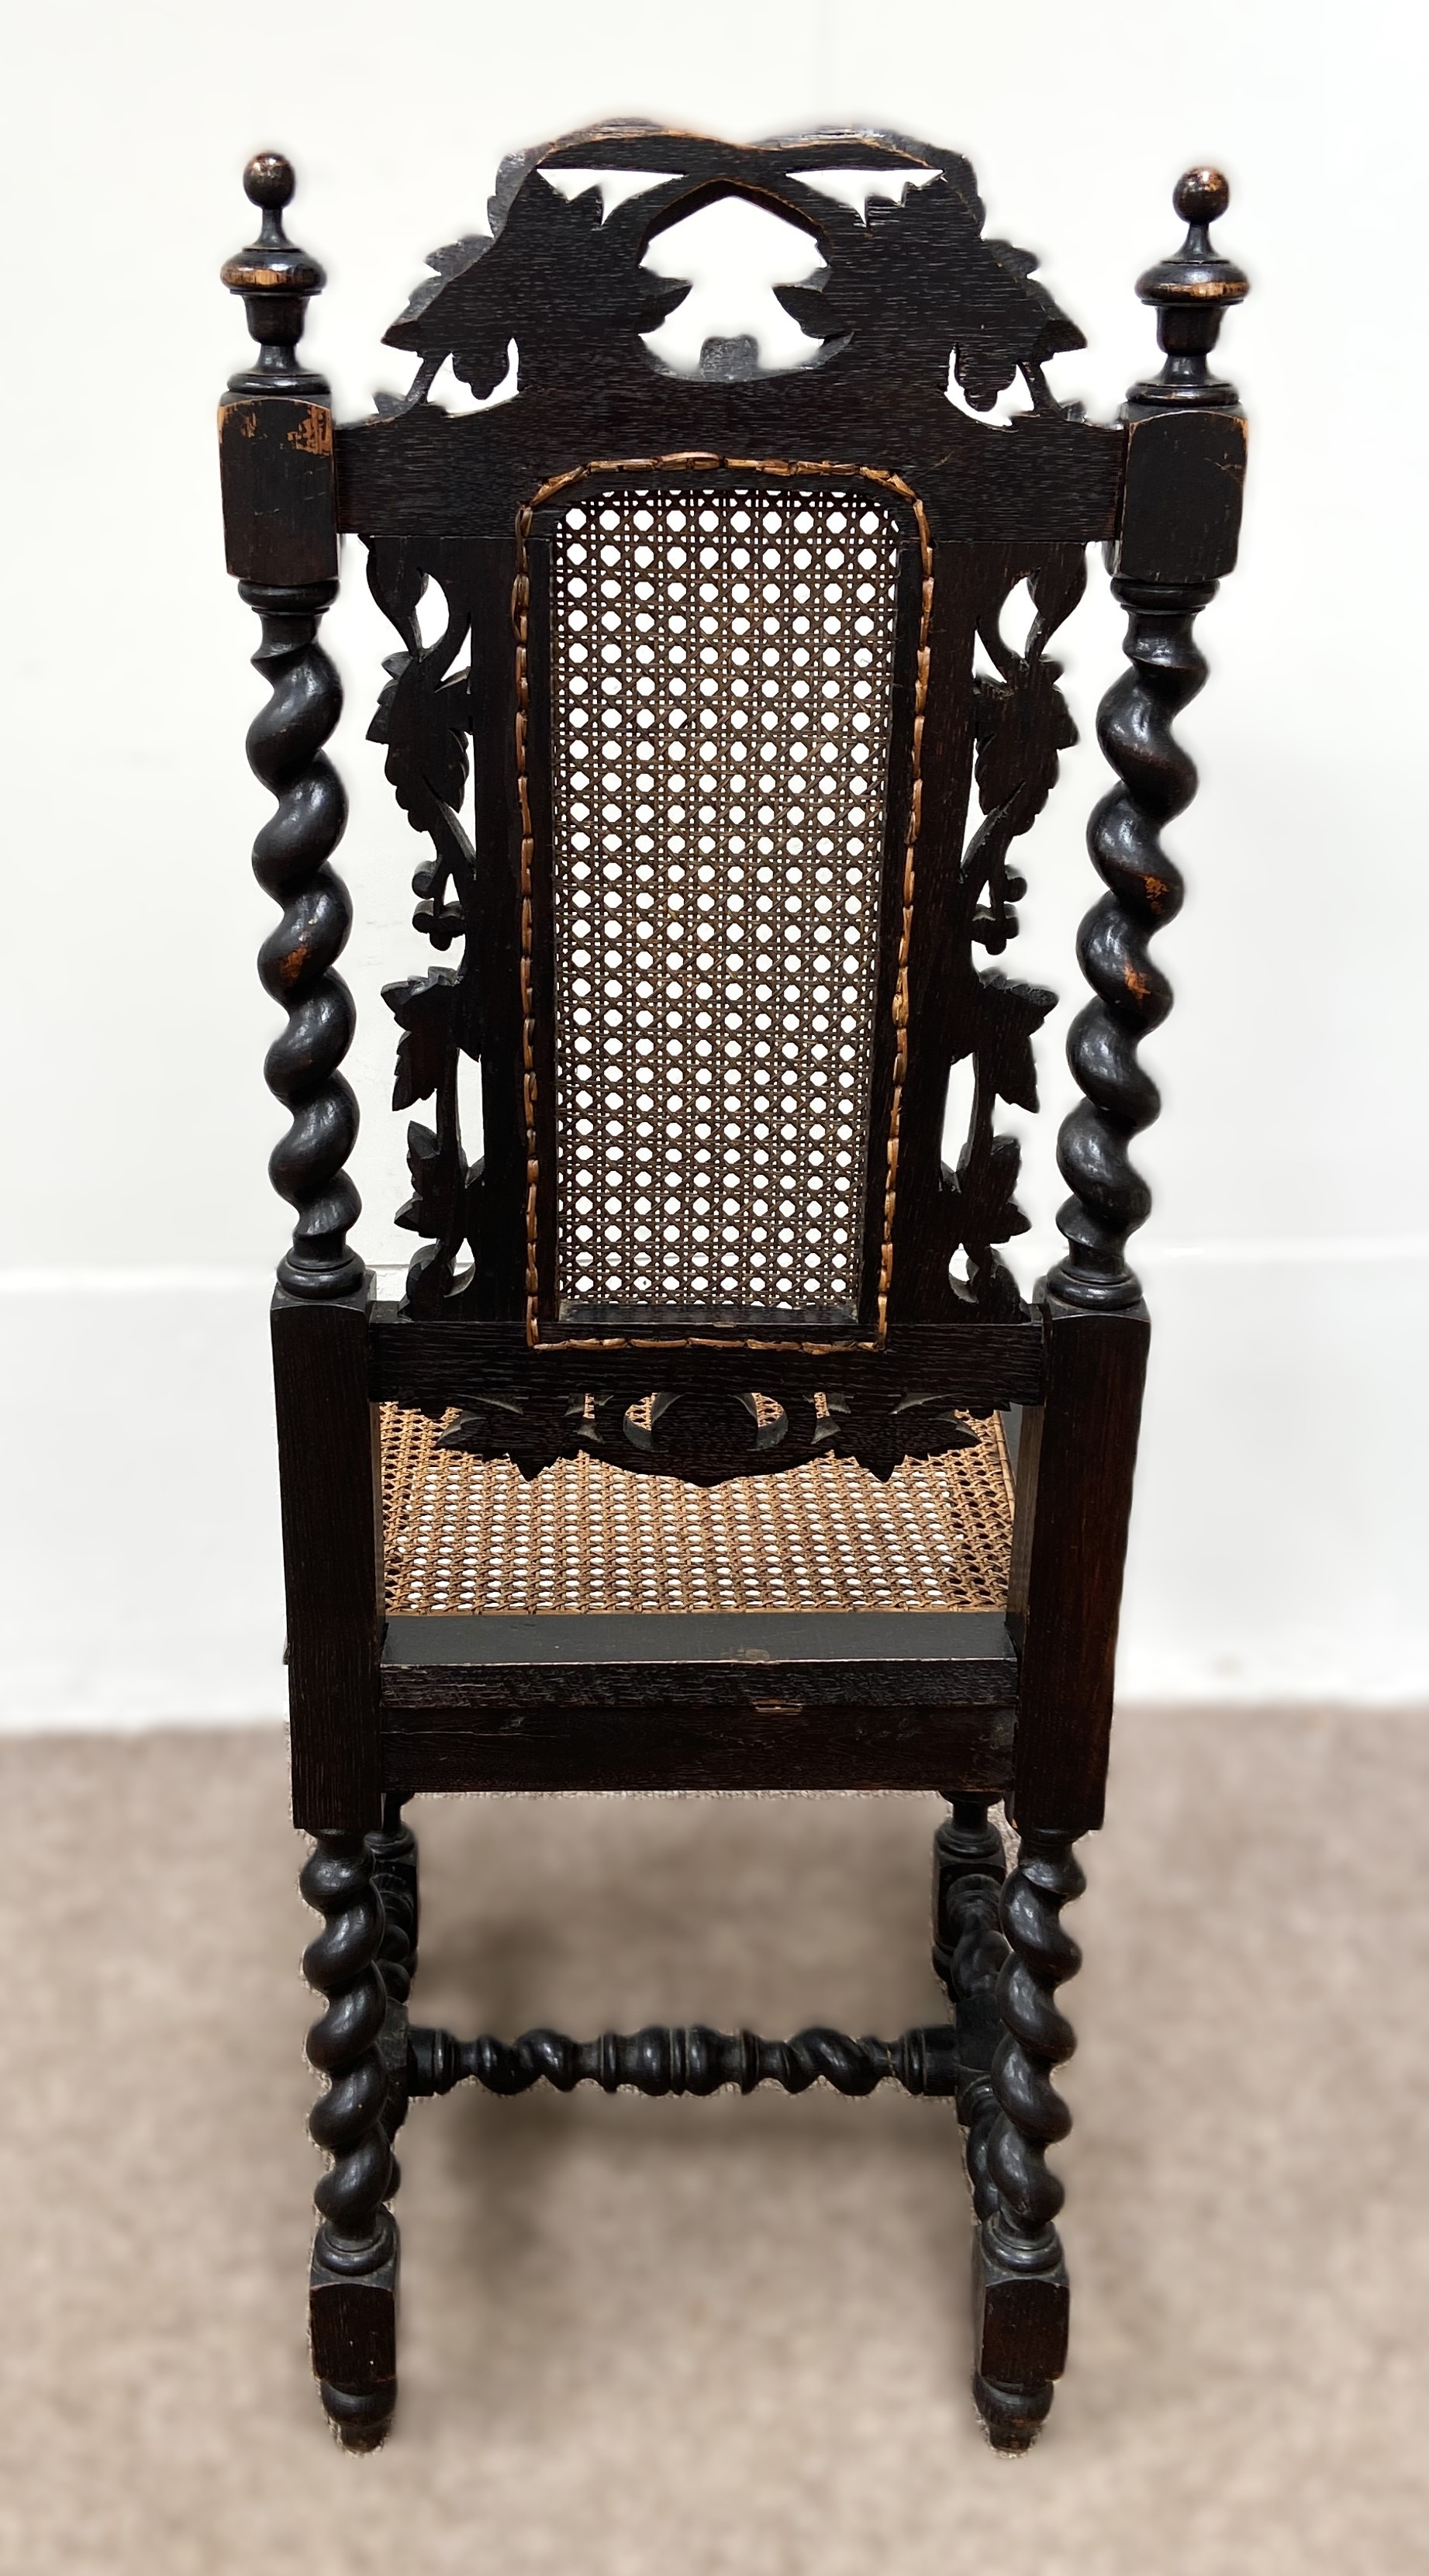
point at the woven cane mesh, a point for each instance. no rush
(467, 1534)
(722, 682)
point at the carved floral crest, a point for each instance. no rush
(912, 281)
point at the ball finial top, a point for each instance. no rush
(1192, 291)
(268, 180)
(275, 279)
(1201, 196)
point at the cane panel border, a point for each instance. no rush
(784, 470)
(724, 661)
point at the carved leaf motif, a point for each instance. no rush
(982, 1191)
(500, 292)
(440, 1207)
(425, 728)
(913, 284)
(995, 1291)
(1020, 725)
(397, 580)
(424, 718)
(918, 281)
(707, 1440)
(430, 1009)
(1009, 1014)
(449, 261)
(1055, 588)
(438, 1182)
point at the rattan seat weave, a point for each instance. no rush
(466, 1535)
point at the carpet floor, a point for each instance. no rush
(690, 2337)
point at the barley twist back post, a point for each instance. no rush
(1180, 518)
(280, 518)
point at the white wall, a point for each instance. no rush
(1278, 1547)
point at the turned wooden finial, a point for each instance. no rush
(1192, 291)
(275, 280)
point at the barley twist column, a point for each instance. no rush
(296, 961)
(280, 519)
(1180, 517)
(1024, 2296)
(969, 1867)
(355, 2249)
(1144, 890)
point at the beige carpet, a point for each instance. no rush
(669, 2339)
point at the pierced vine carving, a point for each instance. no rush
(705, 1440)
(424, 719)
(1021, 725)
(911, 286)
(909, 289)
(888, 293)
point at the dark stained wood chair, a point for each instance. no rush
(712, 1445)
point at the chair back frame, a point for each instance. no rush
(911, 300)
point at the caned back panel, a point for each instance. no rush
(722, 667)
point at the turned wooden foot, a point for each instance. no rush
(1020, 2290)
(353, 2285)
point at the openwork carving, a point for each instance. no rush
(704, 1440)
(700, 1097)
(722, 669)
(718, 847)
(1021, 724)
(912, 287)
(424, 718)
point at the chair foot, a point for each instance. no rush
(359, 2416)
(1012, 2417)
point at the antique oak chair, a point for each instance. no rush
(712, 1445)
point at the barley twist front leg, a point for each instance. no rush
(1020, 2280)
(354, 2268)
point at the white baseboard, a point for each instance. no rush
(1277, 1551)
